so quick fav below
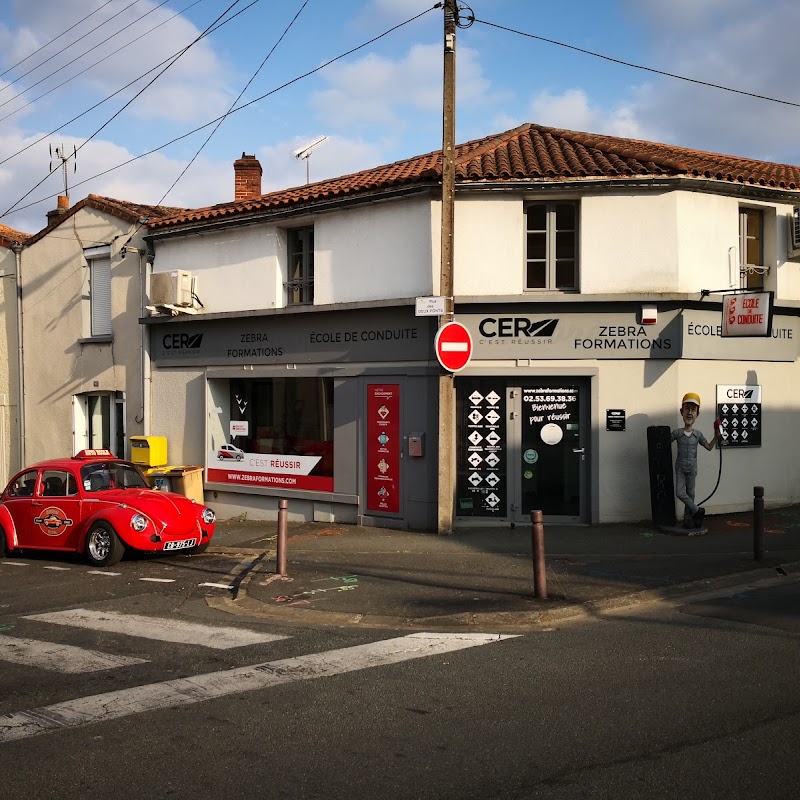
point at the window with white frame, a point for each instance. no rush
(551, 245)
(300, 251)
(98, 317)
(98, 422)
(751, 248)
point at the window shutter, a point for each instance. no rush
(100, 296)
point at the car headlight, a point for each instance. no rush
(208, 516)
(138, 522)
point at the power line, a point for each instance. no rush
(55, 38)
(85, 52)
(221, 117)
(639, 66)
(232, 105)
(123, 107)
(105, 58)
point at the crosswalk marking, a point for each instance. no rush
(60, 657)
(185, 691)
(161, 629)
(158, 580)
(216, 585)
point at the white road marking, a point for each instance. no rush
(159, 628)
(14, 563)
(158, 580)
(60, 657)
(61, 569)
(216, 585)
(102, 572)
(185, 691)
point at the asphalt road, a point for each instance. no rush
(697, 699)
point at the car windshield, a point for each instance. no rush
(99, 476)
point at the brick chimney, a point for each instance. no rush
(59, 210)
(247, 181)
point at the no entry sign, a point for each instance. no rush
(453, 345)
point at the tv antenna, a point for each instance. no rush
(60, 155)
(304, 153)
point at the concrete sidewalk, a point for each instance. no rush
(483, 578)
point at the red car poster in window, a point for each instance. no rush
(383, 448)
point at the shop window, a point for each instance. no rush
(751, 247)
(551, 248)
(300, 251)
(286, 416)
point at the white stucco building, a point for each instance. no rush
(588, 270)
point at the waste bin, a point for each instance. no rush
(185, 480)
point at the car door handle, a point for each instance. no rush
(578, 449)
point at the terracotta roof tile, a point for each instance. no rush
(9, 236)
(123, 209)
(528, 153)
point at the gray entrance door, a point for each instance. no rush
(548, 464)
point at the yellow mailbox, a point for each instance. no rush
(149, 451)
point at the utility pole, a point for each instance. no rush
(446, 484)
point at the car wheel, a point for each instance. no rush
(239, 456)
(201, 548)
(103, 547)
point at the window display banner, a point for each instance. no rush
(383, 448)
(482, 480)
(228, 464)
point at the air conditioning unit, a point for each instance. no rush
(175, 288)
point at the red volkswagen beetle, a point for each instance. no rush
(97, 504)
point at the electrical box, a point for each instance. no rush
(174, 288)
(149, 451)
(416, 445)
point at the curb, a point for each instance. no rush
(244, 605)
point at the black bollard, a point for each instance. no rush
(539, 567)
(758, 523)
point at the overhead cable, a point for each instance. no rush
(639, 66)
(277, 89)
(55, 38)
(123, 107)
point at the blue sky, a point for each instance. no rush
(379, 104)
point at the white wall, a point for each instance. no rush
(628, 243)
(489, 254)
(374, 252)
(667, 242)
(237, 269)
(383, 250)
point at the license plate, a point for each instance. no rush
(180, 545)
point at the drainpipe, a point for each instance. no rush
(18, 248)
